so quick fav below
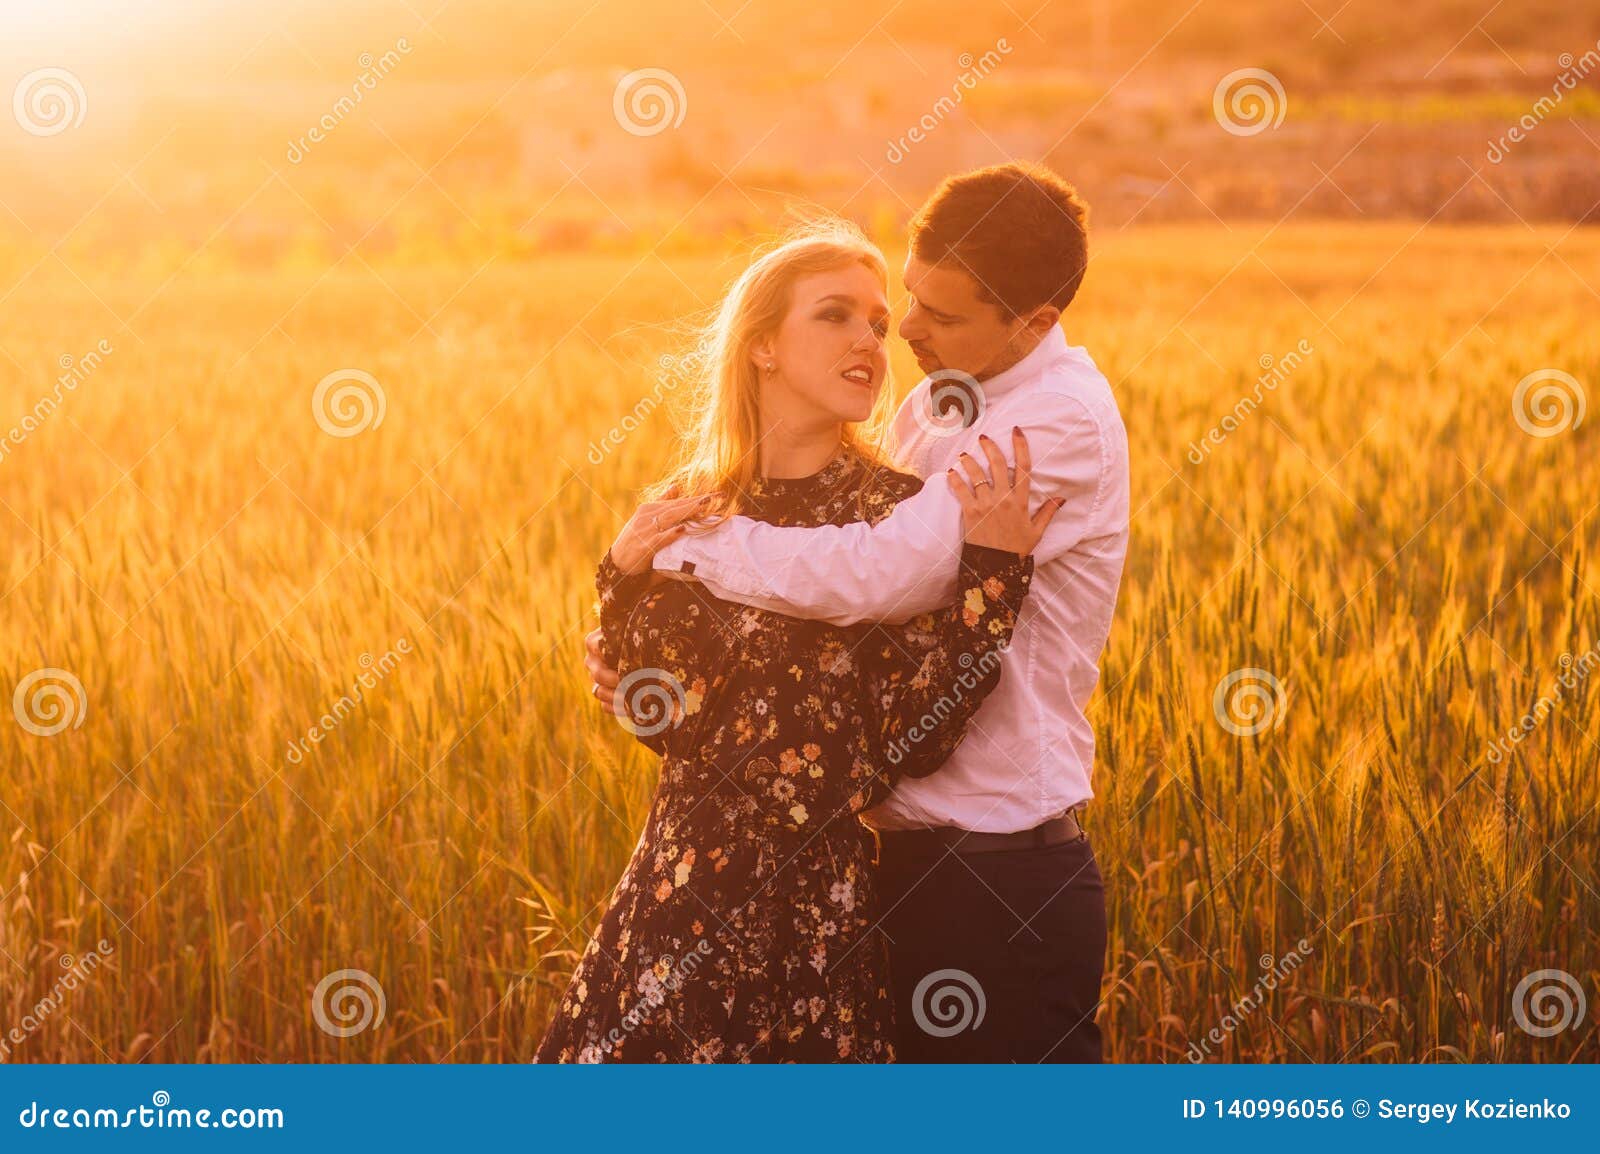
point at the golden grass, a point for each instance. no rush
(1379, 534)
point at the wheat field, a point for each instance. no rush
(1380, 534)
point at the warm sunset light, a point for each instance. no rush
(473, 594)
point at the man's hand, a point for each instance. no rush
(604, 677)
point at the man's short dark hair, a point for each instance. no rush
(1019, 230)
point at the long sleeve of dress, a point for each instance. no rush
(619, 592)
(927, 677)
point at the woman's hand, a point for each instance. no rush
(994, 505)
(603, 680)
(653, 525)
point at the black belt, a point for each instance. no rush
(1053, 832)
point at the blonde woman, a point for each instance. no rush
(743, 927)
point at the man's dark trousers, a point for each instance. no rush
(1017, 933)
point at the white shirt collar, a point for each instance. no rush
(1050, 348)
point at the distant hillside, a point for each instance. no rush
(499, 122)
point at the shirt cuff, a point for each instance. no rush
(719, 579)
(670, 557)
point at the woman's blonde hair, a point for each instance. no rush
(718, 457)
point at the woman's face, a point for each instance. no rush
(828, 357)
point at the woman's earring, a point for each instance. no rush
(771, 366)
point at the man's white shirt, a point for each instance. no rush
(1029, 750)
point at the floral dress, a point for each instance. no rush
(743, 927)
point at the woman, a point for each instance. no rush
(742, 929)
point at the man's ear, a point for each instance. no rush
(1042, 320)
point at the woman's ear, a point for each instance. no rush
(761, 355)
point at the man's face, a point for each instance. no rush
(950, 326)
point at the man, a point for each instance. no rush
(993, 902)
